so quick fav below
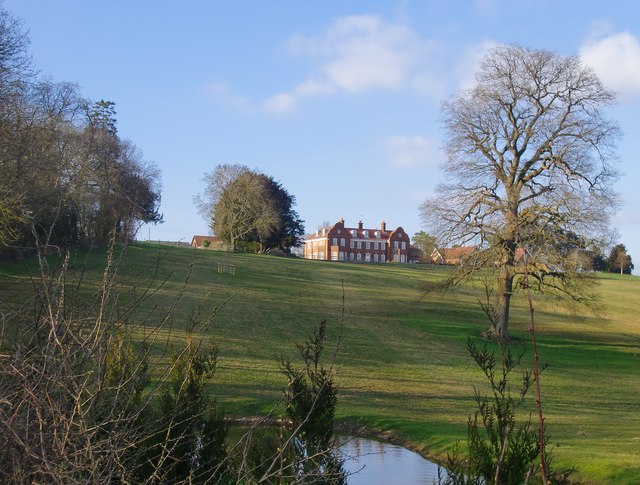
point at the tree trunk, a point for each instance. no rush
(505, 288)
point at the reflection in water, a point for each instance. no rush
(374, 462)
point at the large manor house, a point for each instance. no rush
(378, 245)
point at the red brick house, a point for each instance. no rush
(340, 243)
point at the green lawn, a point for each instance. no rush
(402, 363)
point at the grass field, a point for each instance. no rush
(402, 364)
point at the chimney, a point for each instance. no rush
(383, 226)
(360, 225)
(342, 221)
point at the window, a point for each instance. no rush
(352, 244)
(375, 258)
(365, 233)
(382, 258)
(402, 258)
(377, 233)
(341, 256)
(351, 256)
(335, 241)
(354, 233)
(359, 257)
(341, 241)
(375, 245)
(368, 245)
(359, 245)
(367, 257)
(404, 245)
(395, 244)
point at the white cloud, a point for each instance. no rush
(616, 60)
(412, 151)
(356, 54)
(280, 103)
(220, 92)
(283, 103)
(364, 52)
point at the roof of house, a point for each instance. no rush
(456, 253)
(199, 240)
(372, 233)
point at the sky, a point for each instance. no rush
(338, 100)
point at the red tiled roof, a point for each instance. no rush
(199, 240)
(458, 252)
(452, 255)
(359, 233)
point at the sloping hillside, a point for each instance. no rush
(402, 363)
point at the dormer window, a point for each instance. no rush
(354, 233)
(365, 233)
(377, 233)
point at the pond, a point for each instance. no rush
(374, 462)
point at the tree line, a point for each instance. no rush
(585, 256)
(67, 179)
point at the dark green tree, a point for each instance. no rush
(188, 444)
(243, 205)
(426, 243)
(125, 187)
(289, 230)
(619, 260)
(310, 404)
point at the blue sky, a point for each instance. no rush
(337, 99)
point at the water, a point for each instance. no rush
(377, 463)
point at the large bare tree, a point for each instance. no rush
(528, 174)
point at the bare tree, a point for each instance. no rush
(529, 162)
